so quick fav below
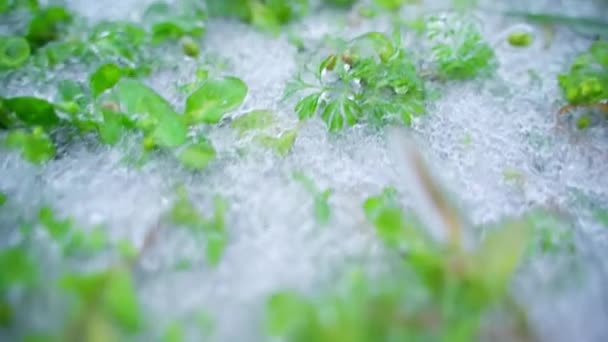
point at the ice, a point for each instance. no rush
(473, 136)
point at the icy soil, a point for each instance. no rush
(473, 135)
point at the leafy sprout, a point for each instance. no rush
(459, 50)
(269, 15)
(586, 83)
(212, 228)
(372, 80)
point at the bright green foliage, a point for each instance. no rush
(520, 39)
(173, 21)
(117, 41)
(265, 14)
(340, 3)
(2, 198)
(152, 113)
(587, 81)
(215, 98)
(213, 228)
(47, 25)
(390, 4)
(321, 207)
(459, 50)
(17, 270)
(281, 144)
(437, 293)
(35, 146)
(14, 52)
(104, 78)
(27, 110)
(253, 121)
(372, 80)
(262, 126)
(72, 240)
(197, 156)
(104, 299)
(174, 333)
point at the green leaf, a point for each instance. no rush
(254, 120)
(14, 52)
(121, 300)
(197, 156)
(340, 113)
(2, 198)
(46, 25)
(286, 312)
(170, 131)
(322, 208)
(33, 111)
(112, 128)
(35, 147)
(307, 106)
(17, 268)
(282, 144)
(214, 98)
(216, 244)
(153, 113)
(58, 229)
(174, 333)
(500, 254)
(105, 77)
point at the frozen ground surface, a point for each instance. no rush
(473, 134)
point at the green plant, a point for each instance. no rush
(372, 80)
(213, 228)
(459, 50)
(266, 14)
(586, 83)
(14, 52)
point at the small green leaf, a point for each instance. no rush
(286, 312)
(121, 300)
(216, 244)
(307, 106)
(105, 77)
(14, 52)
(17, 268)
(58, 229)
(254, 120)
(282, 144)
(2, 198)
(322, 208)
(33, 111)
(340, 113)
(198, 156)
(500, 255)
(174, 333)
(35, 147)
(46, 25)
(214, 98)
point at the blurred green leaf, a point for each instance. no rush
(197, 156)
(35, 146)
(14, 52)
(213, 99)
